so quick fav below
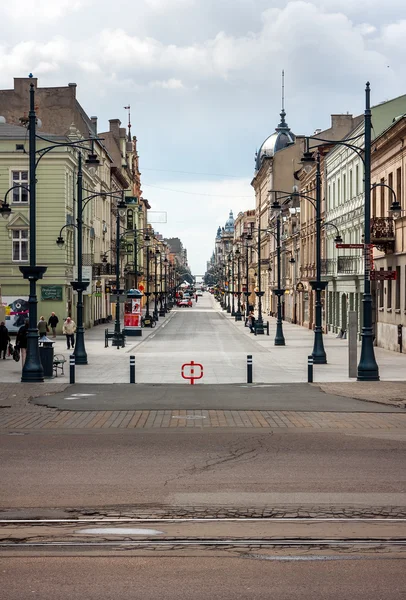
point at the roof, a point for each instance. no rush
(16, 132)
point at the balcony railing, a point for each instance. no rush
(347, 265)
(100, 269)
(328, 266)
(383, 233)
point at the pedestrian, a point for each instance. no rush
(251, 321)
(42, 327)
(21, 341)
(69, 328)
(4, 339)
(53, 322)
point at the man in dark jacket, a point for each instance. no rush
(4, 339)
(21, 341)
(53, 322)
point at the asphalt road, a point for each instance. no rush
(199, 578)
(295, 396)
(210, 467)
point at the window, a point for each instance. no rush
(329, 197)
(20, 245)
(344, 187)
(350, 195)
(338, 192)
(20, 194)
(389, 294)
(334, 194)
(381, 292)
(374, 202)
(357, 180)
(382, 189)
(399, 185)
(397, 297)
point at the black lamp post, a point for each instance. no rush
(259, 325)
(32, 369)
(238, 315)
(247, 294)
(279, 291)
(162, 311)
(155, 313)
(319, 353)
(147, 293)
(166, 308)
(231, 260)
(368, 369)
(117, 336)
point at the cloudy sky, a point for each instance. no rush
(203, 81)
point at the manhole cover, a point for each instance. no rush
(190, 417)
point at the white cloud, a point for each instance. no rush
(41, 10)
(169, 84)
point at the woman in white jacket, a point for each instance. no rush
(69, 328)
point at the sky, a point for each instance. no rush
(203, 78)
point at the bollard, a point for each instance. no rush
(267, 328)
(72, 368)
(310, 368)
(132, 369)
(249, 368)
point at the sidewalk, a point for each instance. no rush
(299, 343)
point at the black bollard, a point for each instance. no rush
(249, 368)
(132, 369)
(72, 368)
(310, 369)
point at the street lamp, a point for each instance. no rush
(231, 261)
(166, 308)
(368, 369)
(279, 291)
(121, 210)
(32, 369)
(155, 313)
(248, 238)
(238, 315)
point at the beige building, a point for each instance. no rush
(389, 235)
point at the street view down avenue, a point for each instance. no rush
(203, 300)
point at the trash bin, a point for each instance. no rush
(46, 355)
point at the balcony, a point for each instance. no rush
(383, 234)
(328, 266)
(100, 269)
(349, 265)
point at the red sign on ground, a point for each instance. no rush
(382, 275)
(191, 375)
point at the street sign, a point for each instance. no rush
(382, 275)
(350, 246)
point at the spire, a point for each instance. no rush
(129, 122)
(283, 124)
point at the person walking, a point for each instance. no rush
(251, 321)
(53, 322)
(4, 339)
(42, 327)
(69, 328)
(21, 341)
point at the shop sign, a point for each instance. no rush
(51, 292)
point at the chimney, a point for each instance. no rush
(73, 87)
(115, 127)
(94, 123)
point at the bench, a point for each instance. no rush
(59, 362)
(109, 335)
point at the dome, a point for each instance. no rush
(229, 226)
(281, 138)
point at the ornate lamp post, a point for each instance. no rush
(238, 315)
(248, 238)
(259, 326)
(155, 313)
(279, 291)
(166, 308)
(121, 211)
(147, 293)
(231, 261)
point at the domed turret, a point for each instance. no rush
(218, 236)
(229, 226)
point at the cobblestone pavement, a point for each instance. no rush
(45, 418)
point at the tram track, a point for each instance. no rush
(109, 533)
